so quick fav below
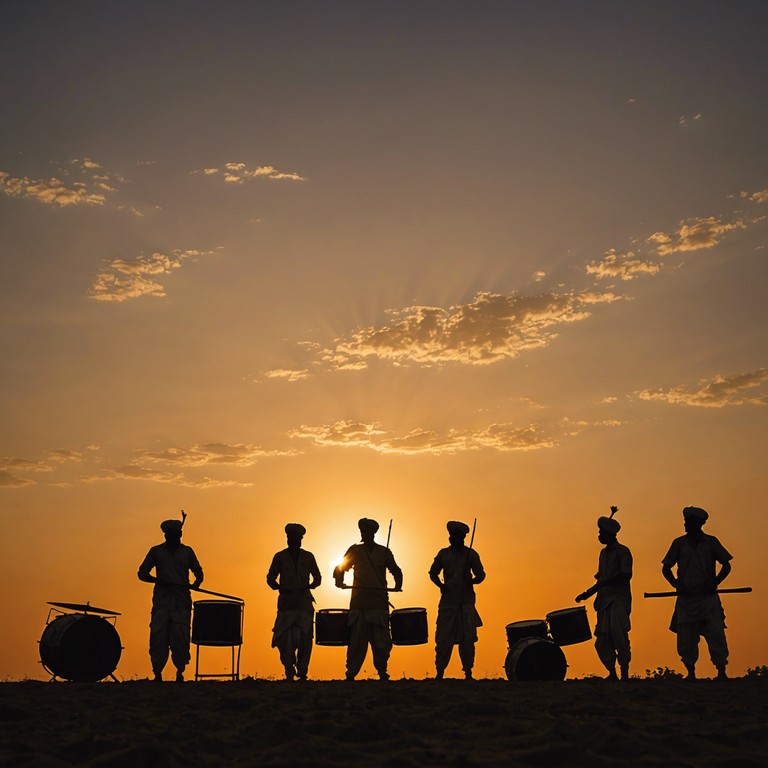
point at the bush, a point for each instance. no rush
(663, 673)
(755, 672)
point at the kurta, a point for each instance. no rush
(369, 606)
(171, 603)
(696, 561)
(613, 604)
(293, 631)
(457, 618)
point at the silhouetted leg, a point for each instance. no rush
(303, 653)
(358, 645)
(467, 656)
(714, 634)
(286, 646)
(688, 645)
(159, 640)
(605, 651)
(179, 634)
(381, 646)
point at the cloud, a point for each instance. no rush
(626, 266)
(685, 121)
(716, 392)
(492, 327)
(694, 234)
(7, 480)
(25, 465)
(239, 173)
(500, 437)
(50, 191)
(84, 183)
(288, 374)
(128, 279)
(761, 196)
(240, 455)
(136, 472)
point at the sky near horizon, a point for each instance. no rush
(314, 261)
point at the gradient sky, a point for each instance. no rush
(310, 261)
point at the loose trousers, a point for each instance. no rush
(169, 630)
(368, 628)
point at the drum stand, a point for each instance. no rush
(234, 675)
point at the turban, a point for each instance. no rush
(171, 525)
(366, 524)
(456, 526)
(608, 524)
(295, 528)
(696, 513)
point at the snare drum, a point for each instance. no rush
(332, 626)
(569, 626)
(517, 630)
(409, 626)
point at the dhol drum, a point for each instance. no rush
(409, 626)
(332, 626)
(79, 647)
(569, 626)
(535, 658)
(217, 622)
(517, 630)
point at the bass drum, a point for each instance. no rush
(217, 622)
(409, 626)
(80, 647)
(535, 658)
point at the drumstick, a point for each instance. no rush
(389, 532)
(218, 594)
(716, 591)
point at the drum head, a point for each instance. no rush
(79, 647)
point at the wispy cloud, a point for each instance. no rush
(136, 472)
(239, 173)
(8, 480)
(128, 279)
(498, 437)
(492, 327)
(83, 182)
(717, 392)
(288, 374)
(501, 437)
(686, 121)
(695, 234)
(240, 455)
(623, 265)
(761, 196)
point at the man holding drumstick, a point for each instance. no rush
(698, 610)
(171, 601)
(613, 603)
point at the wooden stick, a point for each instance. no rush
(716, 591)
(218, 594)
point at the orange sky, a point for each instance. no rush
(411, 261)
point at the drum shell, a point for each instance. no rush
(332, 626)
(569, 626)
(80, 647)
(409, 626)
(517, 630)
(535, 658)
(217, 622)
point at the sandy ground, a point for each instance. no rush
(664, 722)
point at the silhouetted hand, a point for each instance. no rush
(581, 596)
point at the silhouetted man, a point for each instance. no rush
(368, 605)
(698, 610)
(457, 618)
(613, 603)
(294, 573)
(171, 600)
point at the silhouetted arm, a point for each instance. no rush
(272, 573)
(434, 574)
(196, 568)
(314, 572)
(478, 572)
(725, 569)
(666, 572)
(146, 566)
(614, 581)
